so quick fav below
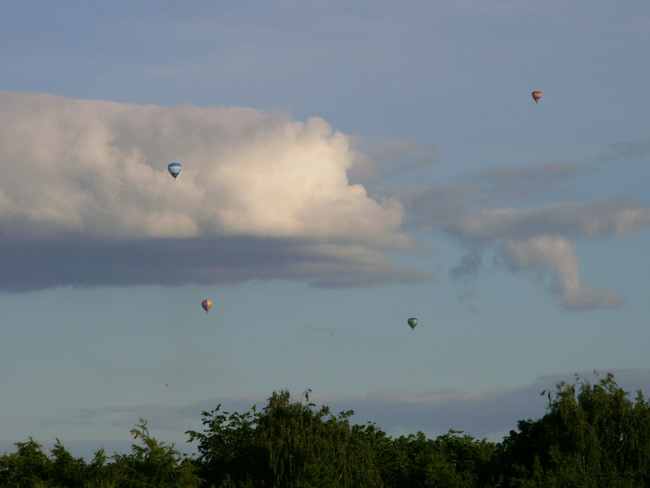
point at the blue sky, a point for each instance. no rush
(346, 165)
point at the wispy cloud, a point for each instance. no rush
(522, 184)
(626, 150)
(556, 256)
(468, 268)
(537, 240)
(391, 160)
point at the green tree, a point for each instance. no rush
(228, 453)
(287, 444)
(295, 445)
(28, 467)
(592, 436)
(452, 460)
(471, 458)
(65, 470)
(152, 464)
(418, 462)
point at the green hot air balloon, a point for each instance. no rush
(412, 322)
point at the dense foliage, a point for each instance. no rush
(592, 436)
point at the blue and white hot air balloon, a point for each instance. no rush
(174, 169)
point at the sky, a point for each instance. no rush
(346, 165)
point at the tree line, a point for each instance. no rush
(592, 436)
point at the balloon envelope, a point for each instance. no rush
(412, 322)
(174, 169)
(207, 305)
(536, 95)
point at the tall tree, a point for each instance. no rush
(592, 436)
(152, 464)
(286, 444)
(28, 466)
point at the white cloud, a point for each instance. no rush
(92, 174)
(538, 240)
(604, 218)
(556, 256)
(100, 168)
(85, 199)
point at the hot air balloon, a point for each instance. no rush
(536, 95)
(207, 305)
(412, 322)
(174, 169)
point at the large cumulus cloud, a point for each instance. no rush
(85, 198)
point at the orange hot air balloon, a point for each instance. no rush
(536, 95)
(207, 305)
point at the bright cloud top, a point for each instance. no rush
(98, 170)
